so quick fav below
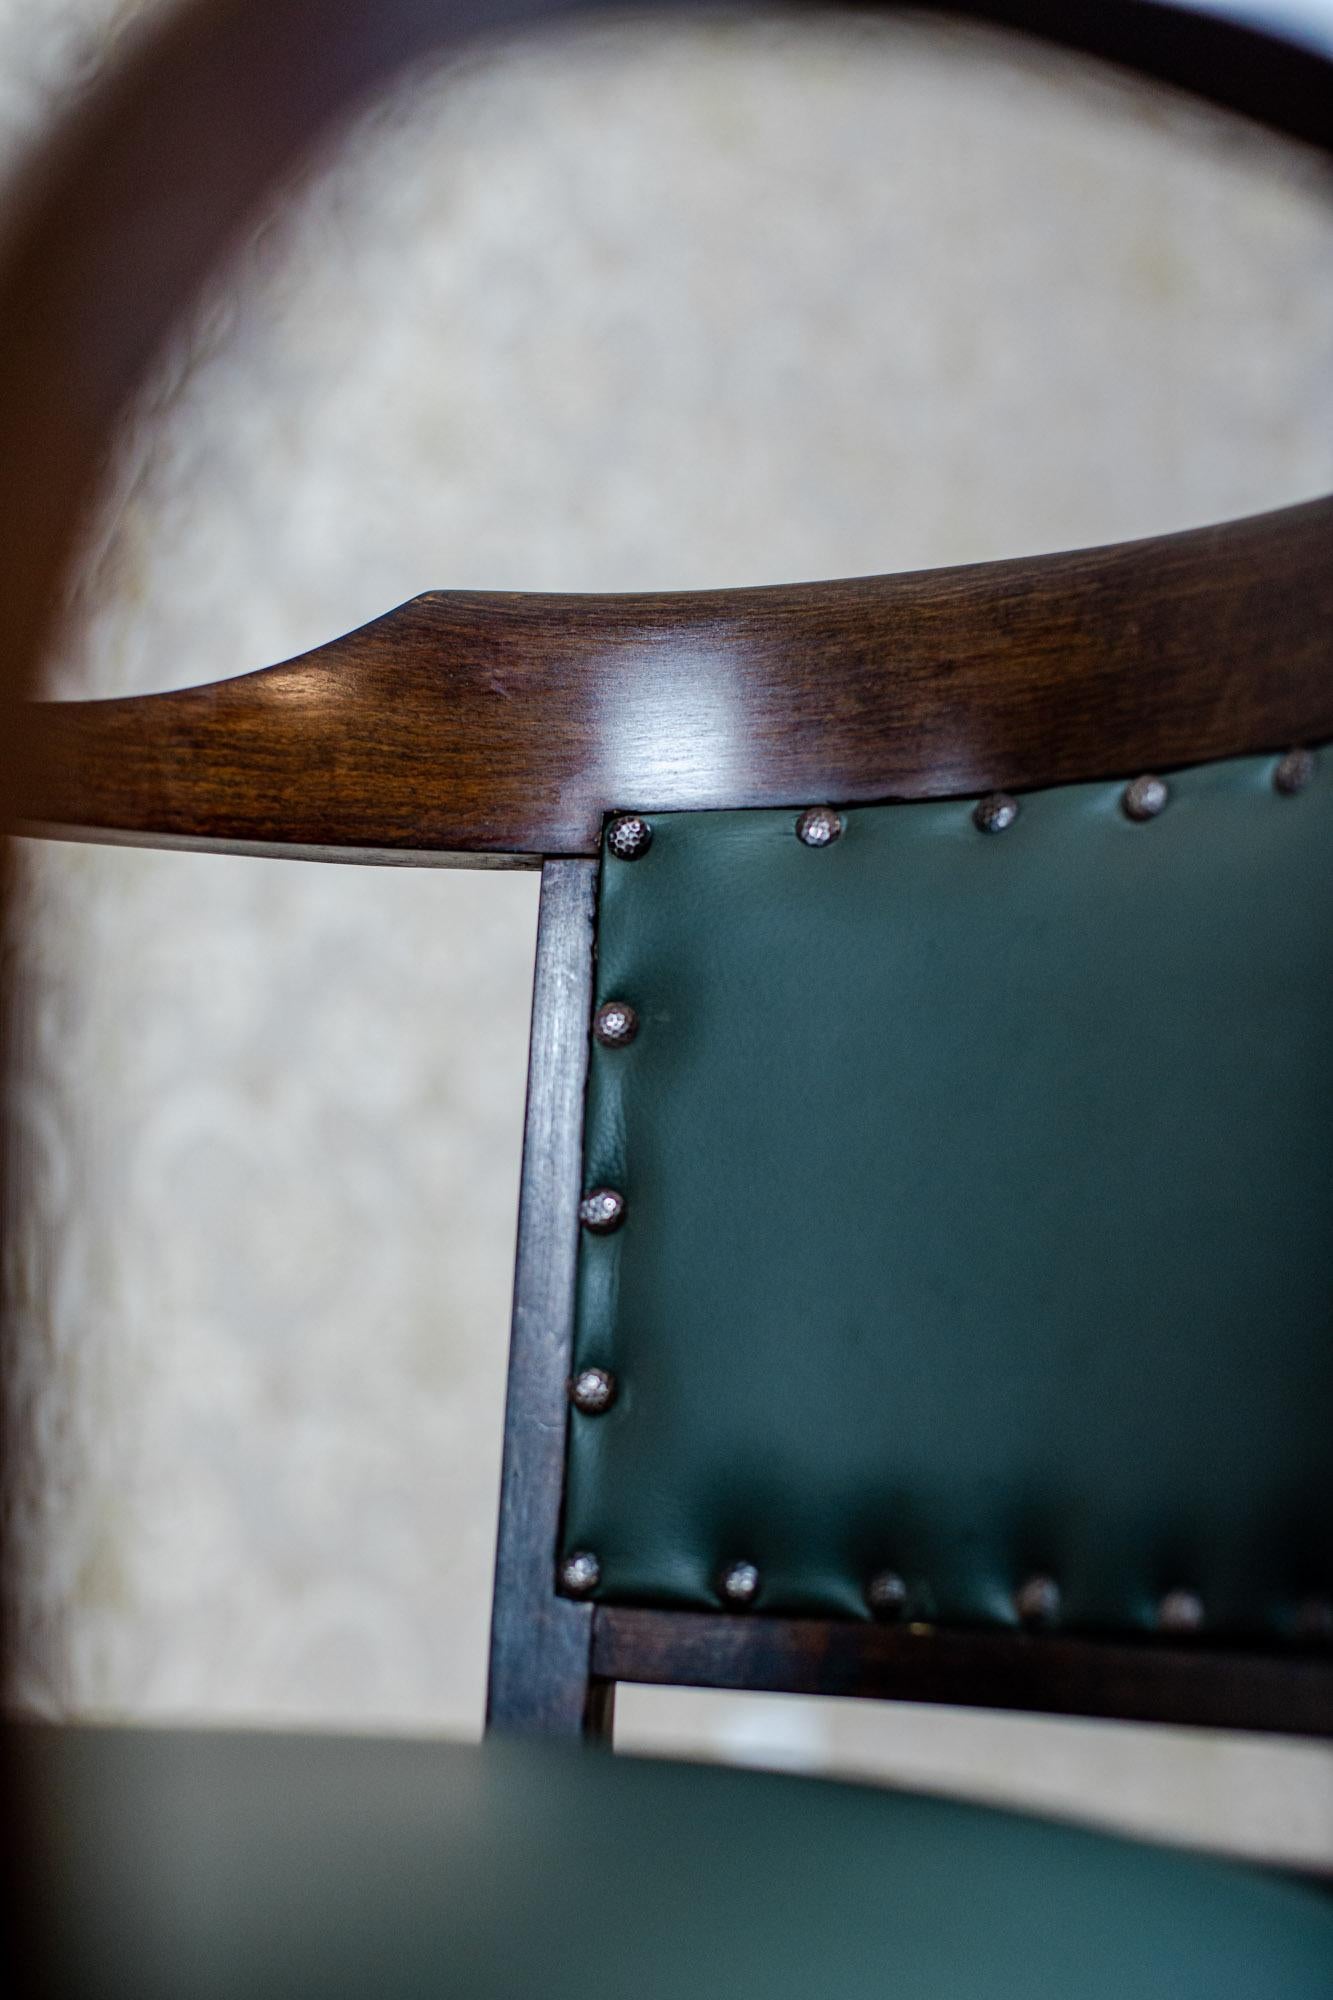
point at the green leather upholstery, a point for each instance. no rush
(979, 1209)
(216, 1867)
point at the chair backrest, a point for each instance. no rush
(958, 1234)
(935, 1301)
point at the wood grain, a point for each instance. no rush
(139, 195)
(1040, 1673)
(539, 1677)
(506, 726)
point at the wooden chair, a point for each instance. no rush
(925, 1270)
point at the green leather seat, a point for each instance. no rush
(193, 1866)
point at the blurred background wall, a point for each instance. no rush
(713, 302)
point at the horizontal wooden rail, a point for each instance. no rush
(505, 726)
(139, 195)
(1043, 1673)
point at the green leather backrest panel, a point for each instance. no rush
(979, 1208)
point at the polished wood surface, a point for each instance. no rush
(1044, 1673)
(505, 726)
(540, 1673)
(126, 212)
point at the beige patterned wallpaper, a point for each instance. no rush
(673, 304)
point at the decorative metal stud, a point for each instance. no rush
(886, 1594)
(629, 836)
(1293, 772)
(1037, 1601)
(1145, 798)
(819, 826)
(1180, 1611)
(593, 1390)
(1314, 1620)
(739, 1583)
(602, 1210)
(994, 814)
(615, 1024)
(580, 1573)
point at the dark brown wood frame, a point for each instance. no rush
(541, 1676)
(501, 729)
(555, 1662)
(103, 254)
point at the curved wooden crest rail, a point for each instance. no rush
(493, 727)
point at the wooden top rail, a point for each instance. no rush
(506, 726)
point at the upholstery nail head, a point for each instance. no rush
(602, 1210)
(739, 1583)
(593, 1390)
(886, 1593)
(1293, 772)
(615, 1024)
(1180, 1611)
(580, 1573)
(994, 814)
(629, 836)
(819, 826)
(1037, 1601)
(1145, 798)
